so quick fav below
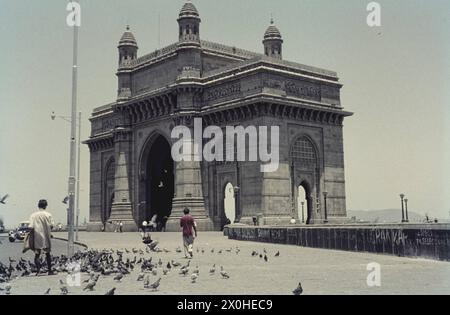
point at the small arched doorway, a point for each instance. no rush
(229, 204)
(301, 204)
(159, 182)
(304, 203)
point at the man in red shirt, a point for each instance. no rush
(189, 228)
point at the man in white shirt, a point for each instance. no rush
(42, 223)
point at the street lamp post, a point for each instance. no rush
(303, 212)
(73, 152)
(406, 211)
(77, 195)
(325, 194)
(402, 196)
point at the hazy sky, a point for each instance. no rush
(397, 83)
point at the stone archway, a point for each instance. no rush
(157, 180)
(305, 176)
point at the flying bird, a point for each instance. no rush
(298, 290)
(3, 200)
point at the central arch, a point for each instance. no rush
(157, 181)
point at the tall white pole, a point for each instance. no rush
(72, 178)
(77, 224)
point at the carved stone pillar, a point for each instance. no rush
(122, 210)
(189, 191)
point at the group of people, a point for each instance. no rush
(41, 225)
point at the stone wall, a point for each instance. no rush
(426, 241)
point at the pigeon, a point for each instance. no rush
(63, 288)
(90, 286)
(194, 277)
(48, 291)
(155, 285)
(212, 271)
(140, 277)
(224, 274)
(111, 292)
(65, 200)
(165, 272)
(119, 277)
(184, 271)
(298, 290)
(147, 282)
(155, 272)
(178, 250)
(265, 258)
(169, 266)
(3, 200)
(203, 250)
(160, 263)
(175, 264)
(277, 254)
(196, 270)
(165, 250)
(8, 289)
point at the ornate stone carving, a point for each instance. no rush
(222, 92)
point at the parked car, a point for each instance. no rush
(20, 233)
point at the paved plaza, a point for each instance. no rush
(320, 271)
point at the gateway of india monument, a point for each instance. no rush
(133, 176)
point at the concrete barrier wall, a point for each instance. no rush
(427, 241)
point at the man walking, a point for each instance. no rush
(189, 233)
(41, 223)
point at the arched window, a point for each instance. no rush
(303, 152)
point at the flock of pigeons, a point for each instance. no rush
(117, 264)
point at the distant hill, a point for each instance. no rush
(384, 216)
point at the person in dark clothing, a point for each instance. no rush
(187, 223)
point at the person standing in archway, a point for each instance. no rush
(188, 224)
